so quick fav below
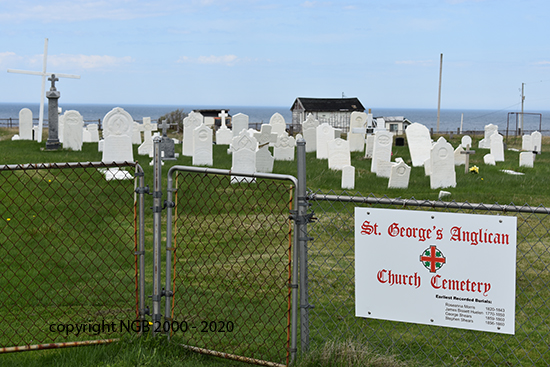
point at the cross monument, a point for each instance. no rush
(44, 75)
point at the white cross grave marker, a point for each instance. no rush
(44, 75)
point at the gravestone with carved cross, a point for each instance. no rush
(146, 148)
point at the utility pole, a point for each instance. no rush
(522, 100)
(439, 96)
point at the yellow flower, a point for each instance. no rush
(8, 219)
(474, 169)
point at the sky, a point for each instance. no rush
(268, 52)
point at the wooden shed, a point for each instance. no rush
(334, 111)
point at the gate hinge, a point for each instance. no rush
(302, 219)
(142, 190)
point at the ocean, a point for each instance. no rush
(450, 119)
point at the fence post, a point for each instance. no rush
(157, 209)
(169, 250)
(141, 190)
(302, 238)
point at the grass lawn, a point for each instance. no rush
(47, 234)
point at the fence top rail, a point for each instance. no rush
(29, 166)
(430, 203)
(225, 172)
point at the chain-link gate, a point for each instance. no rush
(332, 290)
(231, 274)
(68, 260)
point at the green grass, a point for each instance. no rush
(212, 246)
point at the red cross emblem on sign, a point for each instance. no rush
(432, 259)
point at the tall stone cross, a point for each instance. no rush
(164, 126)
(44, 75)
(467, 152)
(223, 115)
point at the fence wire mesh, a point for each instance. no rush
(67, 254)
(332, 290)
(231, 265)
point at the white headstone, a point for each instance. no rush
(136, 133)
(526, 159)
(485, 143)
(117, 134)
(357, 141)
(338, 154)
(244, 156)
(466, 141)
(202, 146)
(284, 148)
(400, 175)
(25, 124)
(442, 165)
(265, 136)
(72, 131)
(497, 147)
(420, 143)
(325, 133)
(536, 141)
(309, 128)
(264, 160)
(61, 128)
(224, 135)
(239, 122)
(383, 168)
(460, 158)
(86, 135)
(526, 143)
(348, 177)
(278, 124)
(489, 159)
(146, 148)
(369, 146)
(94, 132)
(190, 123)
(381, 150)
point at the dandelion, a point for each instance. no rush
(8, 219)
(474, 169)
(49, 180)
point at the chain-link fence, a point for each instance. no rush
(332, 290)
(232, 251)
(68, 260)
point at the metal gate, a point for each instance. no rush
(229, 264)
(68, 261)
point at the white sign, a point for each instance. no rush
(445, 269)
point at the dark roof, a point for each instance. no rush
(328, 104)
(211, 112)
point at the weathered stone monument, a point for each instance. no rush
(485, 143)
(399, 175)
(53, 116)
(348, 177)
(358, 120)
(284, 148)
(25, 124)
(167, 148)
(243, 157)
(381, 150)
(442, 172)
(117, 135)
(224, 135)
(338, 154)
(239, 122)
(146, 148)
(325, 133)
(526, 159)
(278, 124)
(190, 123)
(202, 146)
(264, 159)
(309, 130)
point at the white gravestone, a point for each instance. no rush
(381, 150)
(497, 147)
(190, 123)
(420, 143)
(72, 131)
(146, 148)
(526, 143)
(489, 159)
(264, 159)
(383, 169)
(526, 159)
(25, 124)
(309, 129)
(86, 135)
(278, 124)
(369, 146)
(466, 141)
(239, 122)
(460, 158)
(60, 128)
(136, 133)
(485, 143)
(94, 133)
(348, 177)
(357, 140)
(284, 148)
(338, 154)
(536, 141)
(202, 146)
(224, 135)
(117, 135)
(400, 175)
(244, 157)
(442, 163)
(325, 133)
